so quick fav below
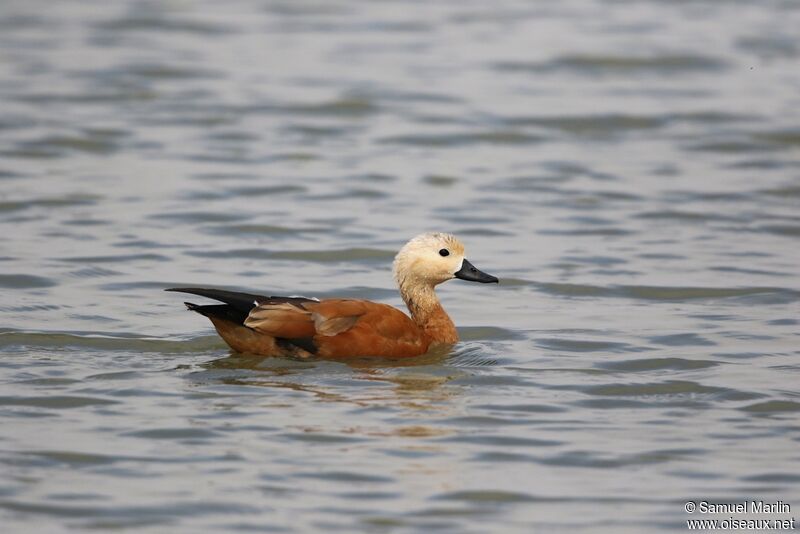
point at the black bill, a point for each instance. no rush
(470, 273)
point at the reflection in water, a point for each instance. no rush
(415, 393)
(419, 382)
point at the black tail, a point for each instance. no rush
(237, 305)
(243, 302)
(219, 311)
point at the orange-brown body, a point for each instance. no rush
(340, 328)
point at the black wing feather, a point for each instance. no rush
(221, 311)
(238, 305)
(241, 301)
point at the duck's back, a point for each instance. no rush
(339, 328)
(296, 326)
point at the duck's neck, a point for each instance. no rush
(428, 314)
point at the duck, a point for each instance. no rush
(303, 327)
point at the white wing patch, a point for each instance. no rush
(335, 325)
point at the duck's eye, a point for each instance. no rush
(444, 252)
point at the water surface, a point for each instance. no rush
(629, 169)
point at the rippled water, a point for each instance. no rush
(629, 169)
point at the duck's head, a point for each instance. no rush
(433, 258)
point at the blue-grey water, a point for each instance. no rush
(629, 169)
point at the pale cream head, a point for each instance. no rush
(428, 260)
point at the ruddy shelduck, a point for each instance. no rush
(339, 328)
